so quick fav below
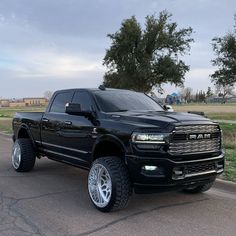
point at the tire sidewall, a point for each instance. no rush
(113, 187)
(112, 201)
(28, 155)
(17, 142)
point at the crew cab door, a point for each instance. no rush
(68, 137)
(52, 122)
(79, 131)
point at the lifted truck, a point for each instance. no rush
(125, 139)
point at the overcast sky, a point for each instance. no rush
(56, 44)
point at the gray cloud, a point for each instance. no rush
(63, 41)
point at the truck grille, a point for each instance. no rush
(197, 129)
(190, 139)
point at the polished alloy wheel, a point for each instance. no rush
(16, 155)
(99, 185)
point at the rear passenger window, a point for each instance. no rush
(60, 101)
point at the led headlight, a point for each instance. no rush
(148, 137)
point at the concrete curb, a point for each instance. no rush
(225, 185)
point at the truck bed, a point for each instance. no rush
(31, 119)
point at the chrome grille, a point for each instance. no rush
(181, 145)
(197, 129)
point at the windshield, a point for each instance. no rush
(123, 100)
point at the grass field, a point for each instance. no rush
(6, 115)
(9, 112)
(218, 112)
(230, 165)
(213, 111)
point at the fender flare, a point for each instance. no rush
(108, 138)
(27, 129)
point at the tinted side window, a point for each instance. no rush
(83, 99)
(60, 101)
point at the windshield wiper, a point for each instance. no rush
(121, 110)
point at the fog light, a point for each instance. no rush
(178, 173)
(153, 171)
(150, 168)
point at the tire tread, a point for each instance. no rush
(28, 155)
(120, 175)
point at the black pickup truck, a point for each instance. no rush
(126, 140)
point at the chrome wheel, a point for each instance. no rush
(16, 155)
(99, 185)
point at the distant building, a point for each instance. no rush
(17, 103)
(35, 101)
(4, 103)
(216, 99)
(231, 99)
(173, 98)
(25, 102)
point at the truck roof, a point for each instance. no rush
(92, 89)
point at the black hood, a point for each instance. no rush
(158, 118)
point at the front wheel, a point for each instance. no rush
(109, 184)
(199, 189)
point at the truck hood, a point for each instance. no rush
(160, 118)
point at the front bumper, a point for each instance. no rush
(170, 174)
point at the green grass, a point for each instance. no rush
(230, 165)
(9, 112)
(6, 115)
(229, 135)
(206, 104)
(214, 111)
(222, 116)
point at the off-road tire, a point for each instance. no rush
(28, 155)
(121, 186)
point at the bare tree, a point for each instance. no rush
(186, 94)
(48, 94)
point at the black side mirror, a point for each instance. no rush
(168, 108)
(75, 109)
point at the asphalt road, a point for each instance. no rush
(53, 200)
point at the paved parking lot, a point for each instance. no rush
(53, 200)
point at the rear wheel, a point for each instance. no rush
(199, 189)
(23, 155)
(108, 184)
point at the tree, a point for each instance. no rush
(223, 90)
(48, 94)
(209, 92)
(145, 59)
(224, 77)
(202, 96)
(186, 94)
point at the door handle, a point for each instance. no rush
(45, 119)
(68, 122)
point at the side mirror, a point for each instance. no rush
(75, 109)
(168, 108)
